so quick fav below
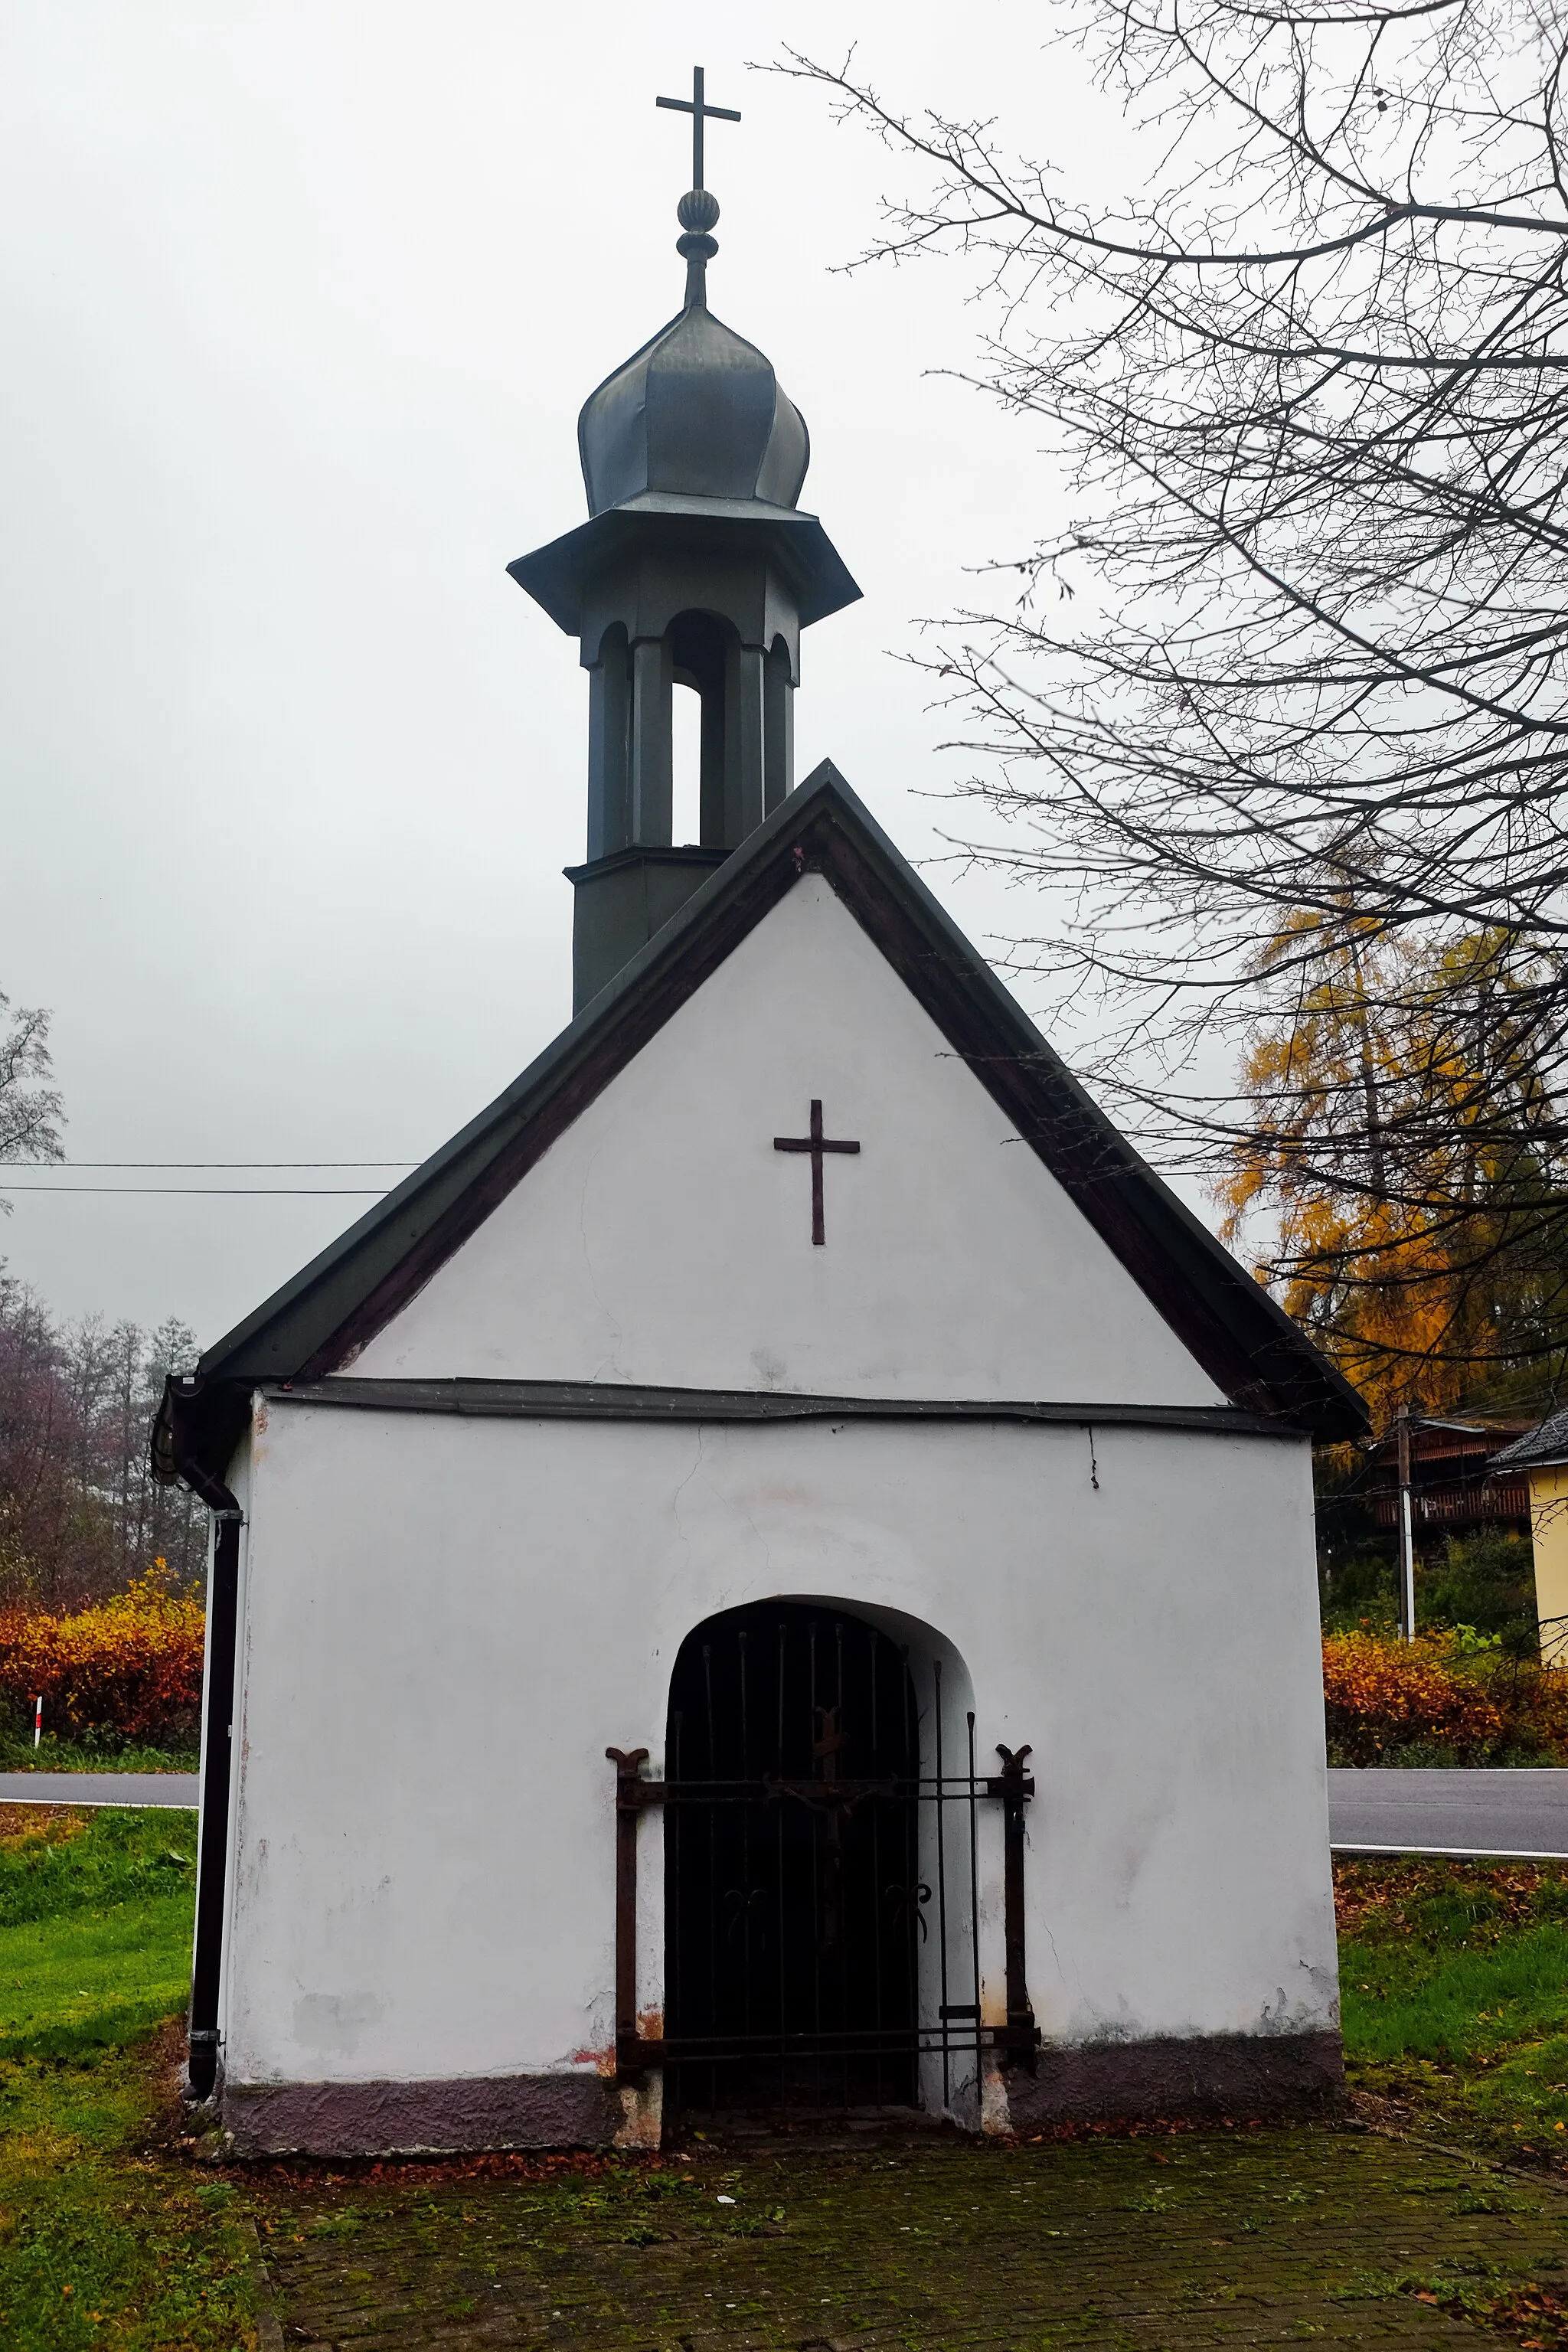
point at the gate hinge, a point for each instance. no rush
(633, 1793)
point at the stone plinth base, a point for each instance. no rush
(1235, 2074)
(425, 2118)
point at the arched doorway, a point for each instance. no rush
(795, 1907)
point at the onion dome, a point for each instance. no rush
(691, 455)
(697, 413)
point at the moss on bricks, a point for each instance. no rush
(1252, 2236)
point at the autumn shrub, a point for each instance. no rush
(1531, 1698)
(1381, 1695)
(130, 1666)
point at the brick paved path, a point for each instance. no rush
(1253, 2238)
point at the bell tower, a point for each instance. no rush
(696, 568)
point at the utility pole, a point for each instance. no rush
(1406, 1528)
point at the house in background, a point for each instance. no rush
(1540, 1460)
(1461, 1478)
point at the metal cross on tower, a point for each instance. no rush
(700, 113)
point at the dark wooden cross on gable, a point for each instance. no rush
(816, 1143)
(700, 113)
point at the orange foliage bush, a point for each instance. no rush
(1379, 1695)
(131, 1665)
(1532, 1700)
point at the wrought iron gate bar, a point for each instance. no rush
(708, 2045)
(956, 1788)
(1013, 1785)
(1017, 2040)
(919, 2041)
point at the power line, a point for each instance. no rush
(218, 1192)
(209, 1163)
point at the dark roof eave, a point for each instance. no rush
(1272, 1368)
(556, 574)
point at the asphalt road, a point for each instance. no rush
(100, 1787)
(1449, 1812)
(1369, 1812)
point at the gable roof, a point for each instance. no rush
(327, 1313)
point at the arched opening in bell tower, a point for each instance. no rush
(778, 724)
(685, 764)
(703, 658)
(664, 774)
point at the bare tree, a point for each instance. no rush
(1294, 683)
(30, 1108)
(80, 1513)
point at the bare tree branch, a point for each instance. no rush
(1292, 689)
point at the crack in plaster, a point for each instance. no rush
(675, 1500)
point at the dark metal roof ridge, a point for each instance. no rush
(1272, 1367)
(1207, 1253)
(624, 1401)
(513, 1103)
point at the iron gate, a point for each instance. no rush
(821, 1890)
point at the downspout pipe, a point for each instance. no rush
(217, 1753)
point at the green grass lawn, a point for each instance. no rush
(95, 1931)
(107, 1982)
(1453, 1978)
(105, 2238)
(89, 1755)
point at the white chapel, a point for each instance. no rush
(859, 1519)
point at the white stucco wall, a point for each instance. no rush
(448, 1621)
(662, 1240)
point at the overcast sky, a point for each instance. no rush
(303, 299)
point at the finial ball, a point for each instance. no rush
(696, 210)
